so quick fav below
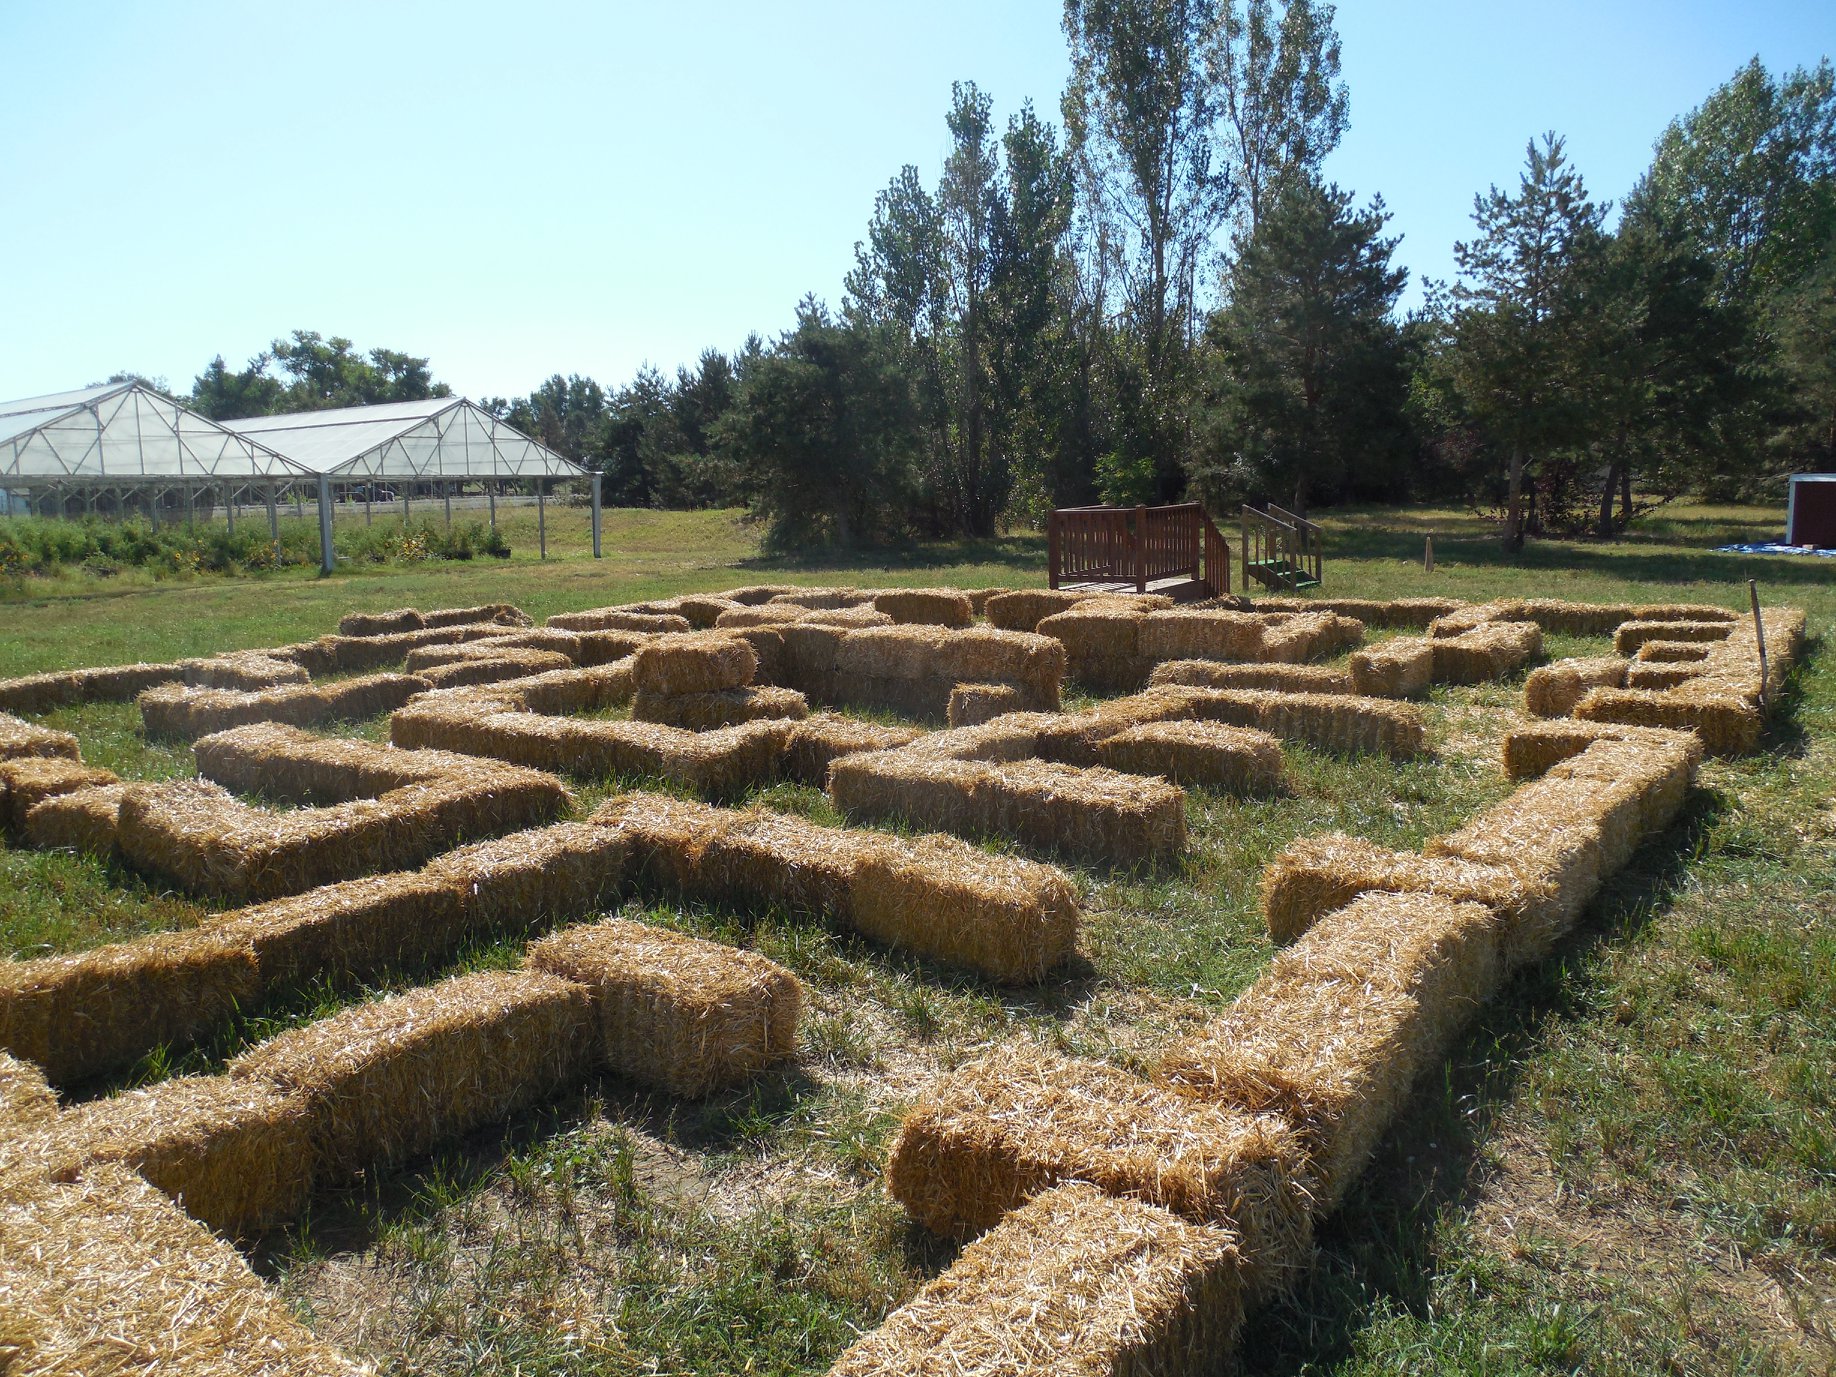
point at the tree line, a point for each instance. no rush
(1162, 297)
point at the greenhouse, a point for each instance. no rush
(123, 448)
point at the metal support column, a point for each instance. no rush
(446, 491)
(541, 517)
(596, 516)
(326, 559)
(229, 509)
(273, 517)
(405, 488)
(491, 496)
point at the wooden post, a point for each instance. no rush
(326, 558)
(596, 477)
(405, 513)
(369, 491)
(446, 491)
(1759, 635)
(542, 517)
(273, 517)
(491, 497)
(229, 509)
(1141, 551)
(1428, 556)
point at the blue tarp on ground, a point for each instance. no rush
(1775, 549)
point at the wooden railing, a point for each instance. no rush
(1280, 549)
(1134, 547)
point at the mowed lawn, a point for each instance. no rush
(1628, 1166)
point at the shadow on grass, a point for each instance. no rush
(1380, 1244)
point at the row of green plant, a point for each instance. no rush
(31, 547)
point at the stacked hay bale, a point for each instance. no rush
(1488, 651)
(619, 619)
(84, 820)
(1023, 609)
(1236, 760)
(702, 681)
(1555, 690)
(245, 669)
(1102, 641)
(1399, 668)
(948, 607)
(19, 738)
(407, 619)
(1284, 678)
(1115, 643)
(823, 738)
(1397, 614)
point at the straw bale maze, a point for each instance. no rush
(758, 906)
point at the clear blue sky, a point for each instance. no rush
(518, 190)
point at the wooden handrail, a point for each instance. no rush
(1136, 546)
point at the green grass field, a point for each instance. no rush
(1629, 1166)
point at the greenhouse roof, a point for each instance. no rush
(125, 433)
(441, 437)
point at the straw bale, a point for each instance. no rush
(753, 594)
(1333, 1058)
(701, 610)
(365, 654)
(496, 613)
(105, 1277)
(245, 670)
(818, 741)
(948, 607)
(1091, 814)
(767, 644)
(986, 655)
(700, 712)
(1531, 750)
(1487, 652)
(770, 614)
(1022, 609)
(556, 642)
(351, 930)
(698, 662)
(1444, 953)
(996, 1131)
(496, 667)
(824, 599)
(618, 619)
(1310, 636)
(664, 837)
(1317, 875)
(925, 700)
(567, 691)
(1559, 617)
(1553, 690)
(380, 623)
(892, 652)
(1011, 920)
(317, 658)
(30, 780)
(293, 766)
(1673, 652)
(1181, 634)
(393, 1079)
(40, 692)
(759, 859)
(1681, 612)
(1648, 676)
(19, 739)
(1325, 721)
(1728, 723)
(1278, 677)
(1097, 630)
(850, 618)
(1074, 738)
(1546, 837)
(1472, 616)
(564, 871)
(212, 844)
(94, 1011)
(1402, 667)
(687, 1016)
(237, 1155)
(973, 704)
(1012, 736)
(1633, 634)
(926, 791)
(81, 820)
(978, 598)
(1406, 614)
(1237, 760)
(807, 662)
(1074, 1283)
(608, 647)
(26, 1099)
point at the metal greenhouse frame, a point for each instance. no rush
(110, 444)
